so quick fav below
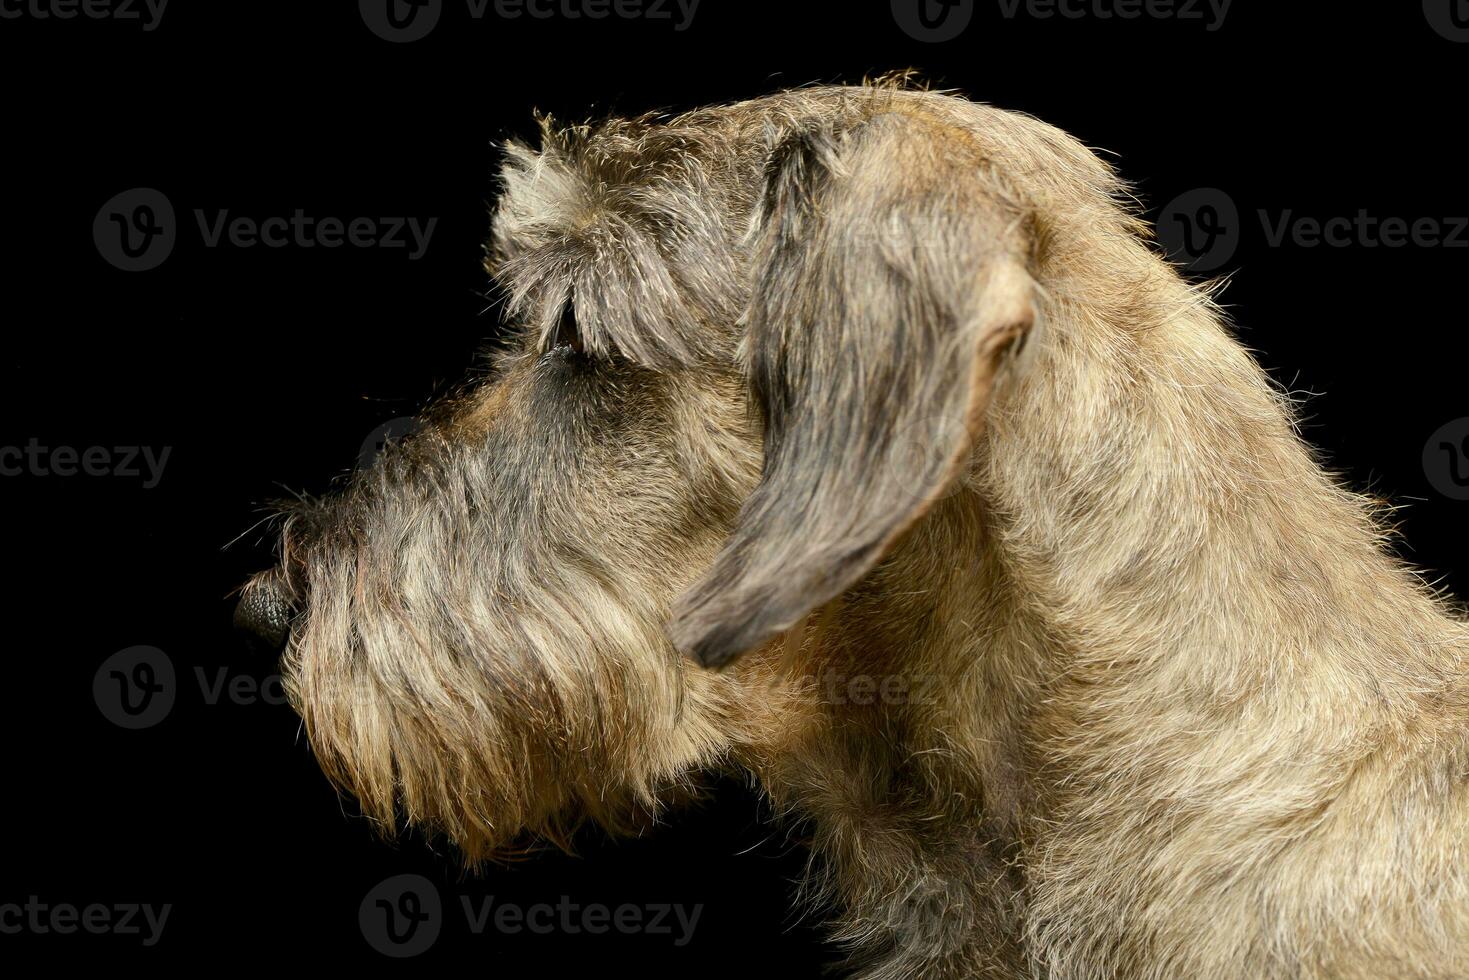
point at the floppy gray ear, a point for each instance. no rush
(890, 281)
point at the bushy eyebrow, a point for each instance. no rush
(644, 263)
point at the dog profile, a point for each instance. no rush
(857, 439)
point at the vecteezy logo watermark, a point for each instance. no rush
(136, 230)
(135, 688)
(148, 13)
(401, 21)
(1446, 459)
(934, 21)
(1200, 229)
(1450, 18)
(403, 916)
(40, 918)
(390, 432)
(127, 462)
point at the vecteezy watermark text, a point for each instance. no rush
(402, 21)
(128, 462)
(1364, 230)
(936, 21)
(573, 918)
(136, 230)
(147, 13)
(304, 231)
(1210, 13)
(137, 687)
(1203, 228)
(403, 915)
(125, 919)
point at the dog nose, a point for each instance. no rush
(263, 616)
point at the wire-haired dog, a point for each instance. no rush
(1074, 659)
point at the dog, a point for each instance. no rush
(859, 439)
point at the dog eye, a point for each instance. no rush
(568, 334)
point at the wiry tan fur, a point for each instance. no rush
(883, 384)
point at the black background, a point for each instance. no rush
(265, 369)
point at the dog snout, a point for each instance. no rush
(263, 615)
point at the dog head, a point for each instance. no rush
(751, 345)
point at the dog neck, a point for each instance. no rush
(1156, 647)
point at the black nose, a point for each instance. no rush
(263, 615)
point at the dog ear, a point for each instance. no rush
(890, 281)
